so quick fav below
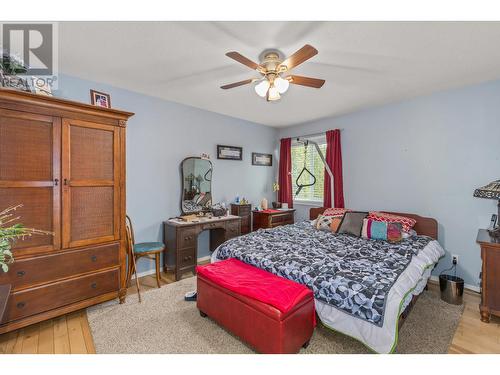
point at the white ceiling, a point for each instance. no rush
(364, 63)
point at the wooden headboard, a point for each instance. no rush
(425, 226)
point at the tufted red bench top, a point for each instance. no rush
(252, 282)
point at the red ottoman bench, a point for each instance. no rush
(270, 313)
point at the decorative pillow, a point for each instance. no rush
(406, 222)
(410, 234)
(352, 223)
(379, 230)
(328, 223)
(323, 222)
(334, 226)
(394, 232)
(338, 212)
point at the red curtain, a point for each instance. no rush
(285, 172)
(334, 161)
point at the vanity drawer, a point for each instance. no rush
(186, 258)
(186, 238)
(215, 225)
(44, 269)
(40, 299)
(233, 229)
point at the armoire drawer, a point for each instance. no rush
(40, 299)
(48, 268)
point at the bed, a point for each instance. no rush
(363, 288)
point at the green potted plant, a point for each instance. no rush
(10, 231)
(11, 67)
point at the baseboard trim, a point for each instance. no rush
(152, 270)
(466, 286)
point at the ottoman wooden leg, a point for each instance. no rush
(306, 344)
(202, 314)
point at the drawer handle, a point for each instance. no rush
(93, 285)
(188, 238)
(188, 258)
(94, 258)
(20, 305)
(21, 273)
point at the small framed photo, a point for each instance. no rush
(100, 99)
(262, 159)
(229, 152)
(41, 86)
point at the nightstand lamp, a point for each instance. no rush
(491, 191)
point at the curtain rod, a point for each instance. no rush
(310, 135)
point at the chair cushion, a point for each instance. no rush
(145, 247)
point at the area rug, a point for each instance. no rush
(165, 323)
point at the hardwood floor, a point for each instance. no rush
(67, 334)
(71, 333)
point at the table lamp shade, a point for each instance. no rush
(490, 191)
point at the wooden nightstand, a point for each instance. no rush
(272, 218)
(490, 275)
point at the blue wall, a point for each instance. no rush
(160, 136)
(425, 156)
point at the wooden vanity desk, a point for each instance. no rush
(181, 239)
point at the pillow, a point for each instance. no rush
(412, 233)
(379, 230)
(334, 226)
(339, 212)
(323, 222)
(352, 223)
(328, 223)
(406, 222)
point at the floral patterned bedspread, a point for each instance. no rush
(350, 273)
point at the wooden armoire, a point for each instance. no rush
(65, 163)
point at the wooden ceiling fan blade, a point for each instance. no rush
(306, 81)
(236, 84)
(243, 60)
(303, 54)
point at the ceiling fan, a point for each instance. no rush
(272, 84)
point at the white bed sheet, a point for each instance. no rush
(411, 282)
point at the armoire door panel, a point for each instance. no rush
(25, 150)
(36, 212)
(30, 174)
(91, 183)
(85, 162)
(91, 212)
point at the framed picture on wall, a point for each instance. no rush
(229, 152)
(100, 99)
(262, 159)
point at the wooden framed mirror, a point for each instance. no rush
(196, 174)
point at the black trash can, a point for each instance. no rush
(452, 289)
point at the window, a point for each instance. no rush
(315, 165)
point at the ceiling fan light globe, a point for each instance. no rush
(261, 88)
(281, 84)
(273, 94)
